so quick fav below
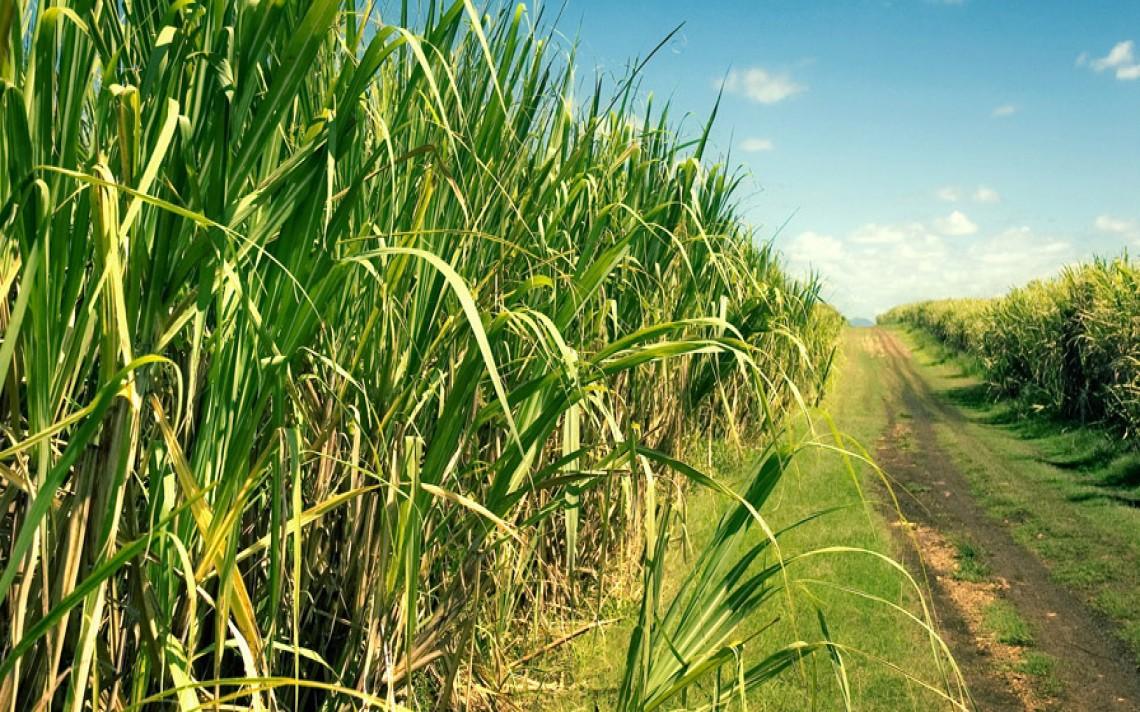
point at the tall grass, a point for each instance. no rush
(1070, 345)
(342, 345)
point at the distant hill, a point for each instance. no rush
(861, 321)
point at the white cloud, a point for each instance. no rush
(756, 145)
(812, 248)
(1119, 56)
(761, 85)
(1128, 73)
(1107, 223)
(1003, 111)
(1014, 246)
(986, 195)
(950, 194)
(956, 224)
(1120, 60)
(1128, 229)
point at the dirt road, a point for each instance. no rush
(1093, 670)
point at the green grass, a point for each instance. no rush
(820, 481)
(971, 563)
(1003, 621)
(1041, 669)
(1063, 489)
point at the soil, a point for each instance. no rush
(1094, 669)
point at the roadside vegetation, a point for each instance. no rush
(828, 497)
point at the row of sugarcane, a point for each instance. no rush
(346, 346)
(1069, 344)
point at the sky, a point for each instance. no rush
(909, 149)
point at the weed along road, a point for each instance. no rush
(1023, 639)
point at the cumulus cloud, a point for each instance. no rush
(1009, 247)
(761, 85)
(812, 248)
(1129, 229)
(1003, 111)
(1107, 223)
(1119, 56)
(956, 224)
(1120, 60)
(756, 145)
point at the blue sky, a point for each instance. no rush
(921, 148)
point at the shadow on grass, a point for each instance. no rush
(984, 407)
(1095, 457)
(1107, 497)
(1123, 472)
(976, 396)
